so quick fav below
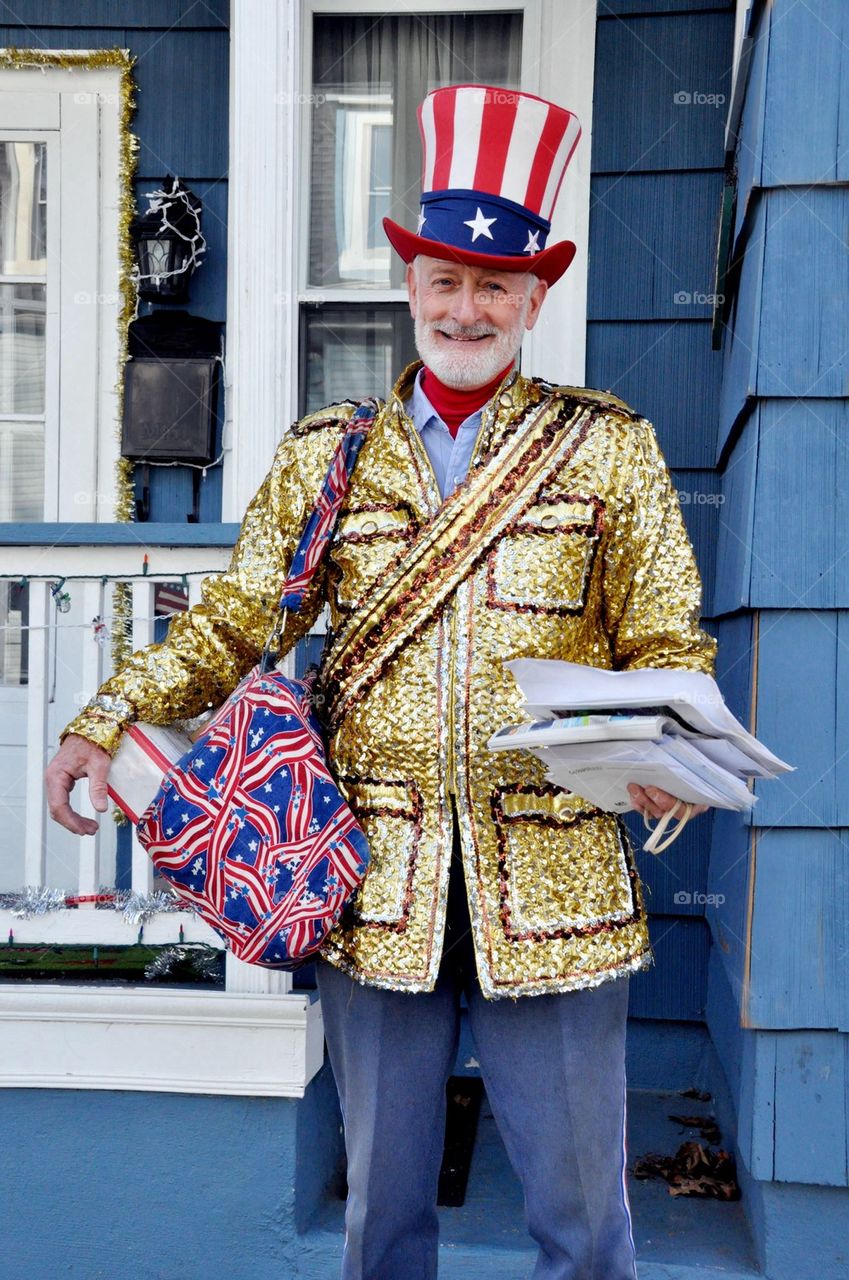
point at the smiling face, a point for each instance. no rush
(469, 321)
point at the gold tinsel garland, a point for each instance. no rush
(128, 145)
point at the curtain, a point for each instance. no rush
(369, 76)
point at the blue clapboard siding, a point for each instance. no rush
(165, 14)
(665, 370)
(739, 377)
(800, 531)
(800, 930)
(811, 1108)
(802, 349)
(647, 124)
(732, 581)
(181, 120)
(676, 985)
(802, 715)
(752, 121)
(656, 186)
(808, 54)
(638, 8)
(652, 245)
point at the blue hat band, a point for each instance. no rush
(482, 223)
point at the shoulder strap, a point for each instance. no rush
(321, 522)
(450, 547)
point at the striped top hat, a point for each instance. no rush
(494, 160)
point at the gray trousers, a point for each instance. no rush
(554, 1071)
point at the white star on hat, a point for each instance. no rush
(422, 221)
(480, 225)
(533, 243)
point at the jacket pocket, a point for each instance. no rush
(565, 868)
(366, 542)
(544, 563)
(390, 813)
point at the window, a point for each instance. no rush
(368, 75)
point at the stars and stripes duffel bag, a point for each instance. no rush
(249, 827)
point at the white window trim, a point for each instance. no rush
(77, 112)
(269, 158)
(159, 1041)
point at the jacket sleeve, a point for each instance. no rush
(214, 644)
(652, 588)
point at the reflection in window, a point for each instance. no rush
(14, 638)
(353, 351)
(23, 269)
(369, 76)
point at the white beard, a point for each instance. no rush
(470, 365)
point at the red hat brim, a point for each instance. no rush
(549, 264)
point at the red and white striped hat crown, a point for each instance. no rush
(494, 160)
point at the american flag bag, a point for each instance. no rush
(249, 827)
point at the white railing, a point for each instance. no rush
(65, 643)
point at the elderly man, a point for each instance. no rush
(537, 520)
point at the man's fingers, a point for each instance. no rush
(60, 784)
(98, 794)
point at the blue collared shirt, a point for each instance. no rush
(449, 455)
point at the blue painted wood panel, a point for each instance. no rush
(661, 91)
(808, 50)
(800, 930)
(802, 348)
(801, 715)
(666, 371)
(165, 14)
(653, 244)
(810, 1108)
(733, 569)
(675, 985)
(751, 127)
(675, 881)
(181, 102)
(800, 532)
(638, 7)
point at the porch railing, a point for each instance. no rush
(91, 559)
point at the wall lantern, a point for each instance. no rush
(168, 242)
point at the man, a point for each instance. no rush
(543, 522)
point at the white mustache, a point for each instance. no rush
(453, 330)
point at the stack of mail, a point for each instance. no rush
(599, 730)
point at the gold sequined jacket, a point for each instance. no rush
(599, 570)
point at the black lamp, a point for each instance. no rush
(168, 242)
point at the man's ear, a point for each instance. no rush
(412, 287)
(537, 297)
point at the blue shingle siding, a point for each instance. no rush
(777, 988)
(657, 178)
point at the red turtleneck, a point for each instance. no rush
(454, 404)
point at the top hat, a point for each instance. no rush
(494, 160)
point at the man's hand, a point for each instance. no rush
(77, 758)
(652, 802)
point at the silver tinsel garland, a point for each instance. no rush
(136, 908)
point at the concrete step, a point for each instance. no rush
(677, 1238)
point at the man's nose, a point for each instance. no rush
(467, 305)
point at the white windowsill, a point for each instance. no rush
(163, 1041)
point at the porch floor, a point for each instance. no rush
(677, 1238)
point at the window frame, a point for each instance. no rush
(556, 348)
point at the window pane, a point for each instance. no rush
(369, 76)
(22, 348)
(14, 615)
(23, 208)
(352, 351)
(21, 471)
